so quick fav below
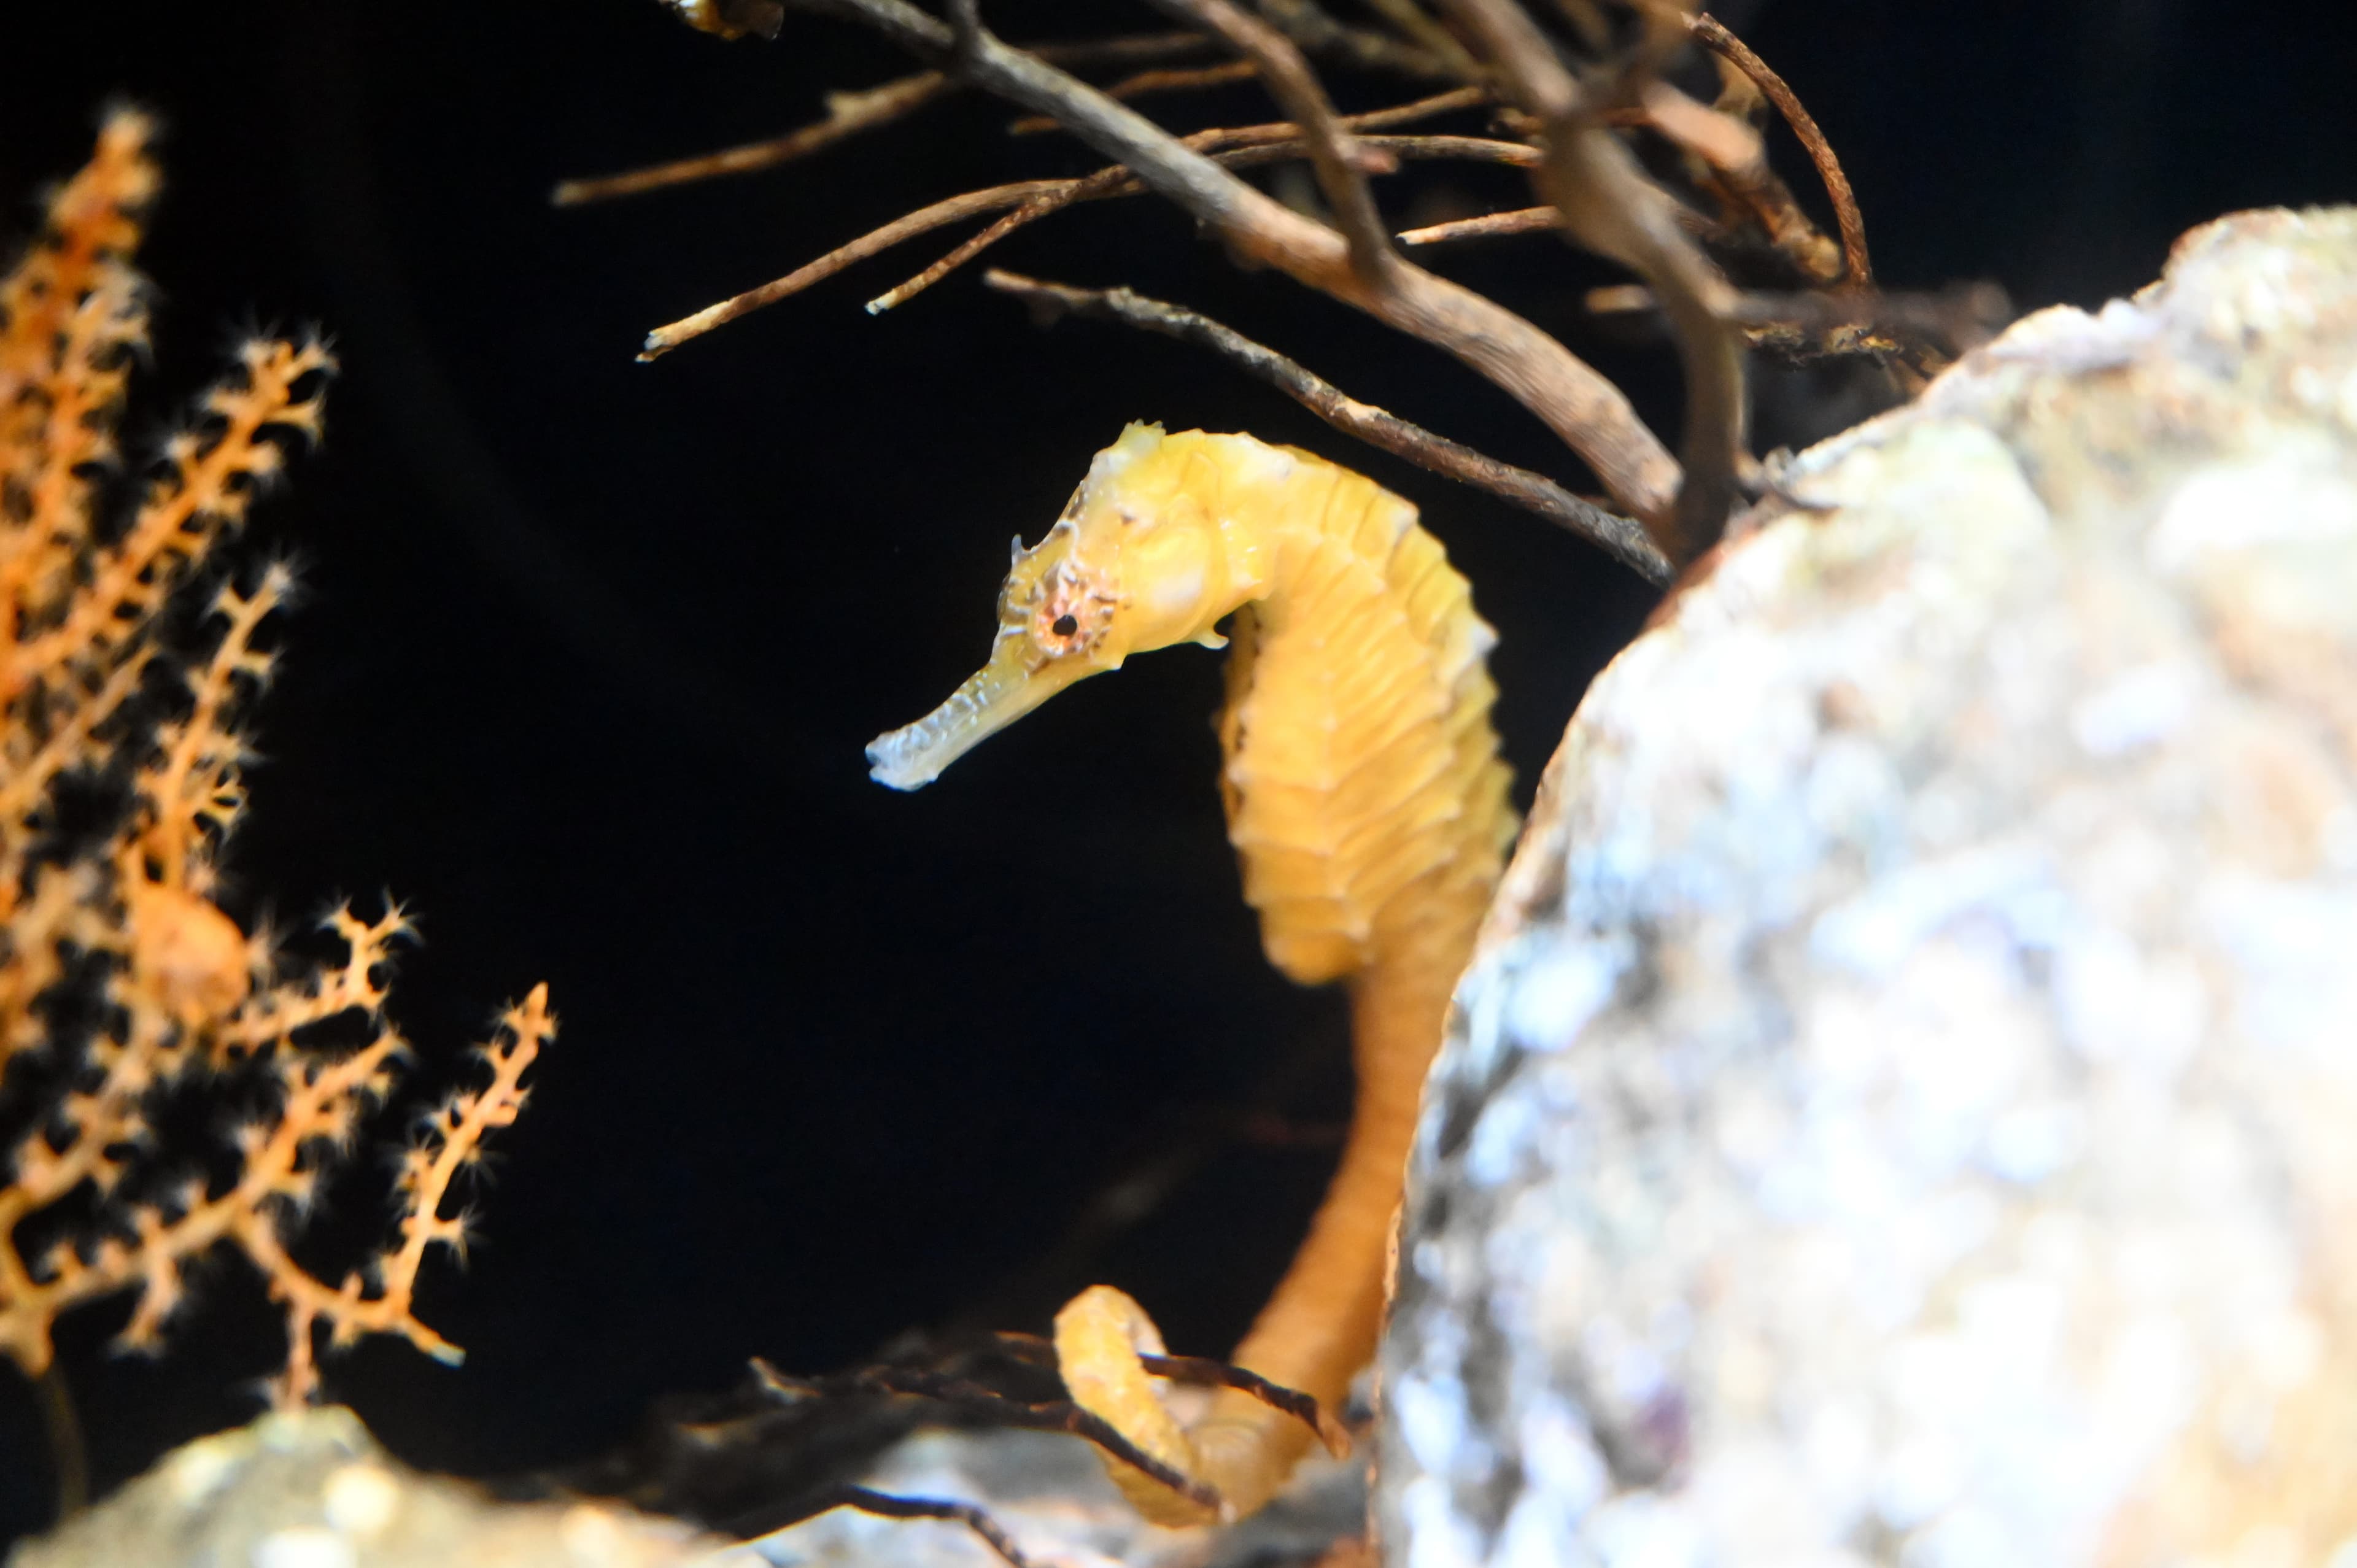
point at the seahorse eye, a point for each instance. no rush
(1066, 625)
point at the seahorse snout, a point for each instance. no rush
(993, 697)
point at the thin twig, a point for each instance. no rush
(972, 1398)
(1738, 161)
(1146, 84)
(949, 1511)
(1128, 49)
(1031, 211)
(1488, 226)
(974, 203)
(1582, 407)
(1118, 181)
(1474, 149)
(1199, 1371)
(1536, 220)
(1415, 109)
(1309, 25)
(1414, 21)
(847, 114)
(1715, 36)
(1622, 538)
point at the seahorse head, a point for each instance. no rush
(1140, 559)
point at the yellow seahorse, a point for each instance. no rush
(1367, 801)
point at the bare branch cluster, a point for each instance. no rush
(124, 987)
(1587, 106)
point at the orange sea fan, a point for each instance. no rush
(123, 983)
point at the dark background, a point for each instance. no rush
(590, 648)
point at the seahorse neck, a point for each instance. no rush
(1269, 533)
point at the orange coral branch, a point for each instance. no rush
(124, 929)
(211, 481)
(193, 787)
(65, 310)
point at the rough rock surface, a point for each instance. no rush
(312, 1489)
(1051, 1496)
(1905, 1109)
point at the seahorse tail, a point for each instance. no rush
(1320, 1328)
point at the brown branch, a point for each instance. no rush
(1474, 149)
(1146, 84)
(1414, 21)
(1119, 181)
(1422, 53)
(670, 336)
(1200, 1371)
(1132, 48)
(967, 250)
(848, 114)
(1536, 220)
(948, 1510)
(1416, 109)
(1488, 226)
(1621, 538)
(1715, 36)
(1342, 164)
(1611, 207)
(1034, 200)
(971, 1398)
(1588, 411)
(1739, 162)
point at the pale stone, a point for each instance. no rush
(1960, 1137)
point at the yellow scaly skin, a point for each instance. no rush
(1365, 798)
